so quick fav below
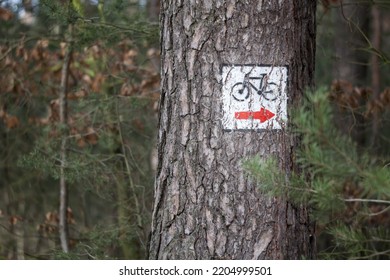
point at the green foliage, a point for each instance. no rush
(81, 168)
(112, 88)
(346, 186)
(57, 13)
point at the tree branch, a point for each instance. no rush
(63, 225)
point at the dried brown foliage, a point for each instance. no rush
(349, 97)
(32, 74)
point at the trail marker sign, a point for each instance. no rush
(254, 97)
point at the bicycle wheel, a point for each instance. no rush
(240, 92)
(271, 92)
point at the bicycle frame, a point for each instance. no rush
(240, 95)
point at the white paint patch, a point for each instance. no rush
(254, 97)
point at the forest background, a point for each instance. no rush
(79, 91)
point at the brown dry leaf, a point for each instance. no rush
(95, 49)
(91, 137)
(69, 216)
(131, 53)
(13, 220)
(43, 43)
(51, 218)
(78, 94)
(80, 142)
(11, 121)
(35, 54)
(9, 61)
(97, 82)
(363, 93)
(63, 46)
(40, 52)
(340, 86)
(54, 112)
(25, 55)
(385, 97)
(19, 51)
(152, 52)
(10, 83)
(156, 105)
(81, 93)
(126, 90)
(128, 59)
(79, 139)
(149, 84)
(374, 107)
(347, 96)
(44, 121)
(5, 14)
(87, 79)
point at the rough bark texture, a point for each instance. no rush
(206, 207)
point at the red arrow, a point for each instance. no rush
(263, 115)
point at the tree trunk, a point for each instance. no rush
(375, 70)
(153, 9)
(206, 206)
(351, 26)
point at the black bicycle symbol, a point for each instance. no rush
(241, 91)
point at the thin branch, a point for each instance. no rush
(367, 200)
(128, 169)
(63, 224)
(380, 212)
(19, 43)
(373, 255)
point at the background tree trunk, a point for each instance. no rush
(206, 207)
(351, 60)
(375, 69)
(351, 25)
(153, 9)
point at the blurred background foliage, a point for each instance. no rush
(111, 123)
(112, 95)
(346, 131)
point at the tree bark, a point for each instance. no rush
(206, 206)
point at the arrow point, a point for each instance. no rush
(262, 115)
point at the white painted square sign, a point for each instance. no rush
(254, 97)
